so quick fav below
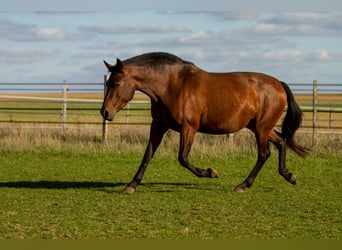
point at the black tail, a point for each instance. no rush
(291, 123)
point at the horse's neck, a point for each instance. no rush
(153, 84)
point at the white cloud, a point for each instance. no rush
(298, 24)
(11, 30)
(209, 40)
(282, 56)
(323, 54)
(42, 34)
(306, 17)
(26, 32)
(22, 55)
(125, 29)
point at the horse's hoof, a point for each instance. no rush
(212, 173)
(240, 188)
(293, 179)
(129, 190)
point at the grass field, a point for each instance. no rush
(66, 186)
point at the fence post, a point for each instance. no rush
(314, 111)
(104, 121)
(64, 105)
(127, 114)
(330, 116)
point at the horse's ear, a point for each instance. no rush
(108, 65)
(119, 65)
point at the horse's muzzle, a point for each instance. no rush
(106, 115)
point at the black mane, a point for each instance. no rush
(155, 60)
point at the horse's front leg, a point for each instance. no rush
(186, 139)
(156, 134)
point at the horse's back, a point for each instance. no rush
(240, 86)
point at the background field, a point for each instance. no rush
(56, 186)
(85, 115)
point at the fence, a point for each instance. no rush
(65, 107)
(75, 106)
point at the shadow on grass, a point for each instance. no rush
(58, 184)
(160, 186)
(167, 187)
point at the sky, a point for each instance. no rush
(47, 43)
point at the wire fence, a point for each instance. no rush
(75, 106)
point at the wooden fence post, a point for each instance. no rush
(330, 117)
(104, 121)
(127, 114)
(314, 111)
(64, 105)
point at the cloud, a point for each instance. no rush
(105, 45)
(323, 54)
(22, 55)
(126, 29)
(211, 40)
(233, 15)
(27, 32)
(42, 34)
(298, 24)
(245, 57)
(218, 15)
(305, 17)
(11, 30)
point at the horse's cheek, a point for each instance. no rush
(127, 93)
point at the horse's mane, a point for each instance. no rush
(155, 60)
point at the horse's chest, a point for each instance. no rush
(168, 116)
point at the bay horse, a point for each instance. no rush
(187, 99)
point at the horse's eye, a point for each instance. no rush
(113, 84)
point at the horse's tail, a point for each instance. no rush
(291, 123)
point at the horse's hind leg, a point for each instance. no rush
(277, 139)
(186, 139)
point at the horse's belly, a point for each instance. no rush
(220, 128)
(228, 124)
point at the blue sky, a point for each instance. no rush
(51, 44)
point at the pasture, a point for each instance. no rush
(67, 186)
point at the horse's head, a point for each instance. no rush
(120, 90)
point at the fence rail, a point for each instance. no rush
(68, 106)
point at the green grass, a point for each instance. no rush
(54, 187)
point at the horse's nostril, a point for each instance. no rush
(106, 114)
